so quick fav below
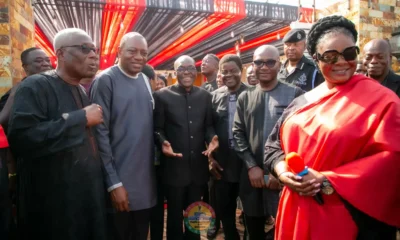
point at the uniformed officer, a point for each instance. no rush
(298, 69)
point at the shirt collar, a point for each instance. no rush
(126, 74)
(299, 65)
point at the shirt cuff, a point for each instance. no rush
(114, 187)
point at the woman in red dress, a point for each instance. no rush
(347, 130)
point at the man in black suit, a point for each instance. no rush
(377, 59)
(182, 125)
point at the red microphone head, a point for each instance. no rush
(295, 162)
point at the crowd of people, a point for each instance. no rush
(95, 156)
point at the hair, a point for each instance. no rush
(148, 70)
(67, 35)
(231, 58)
(327, 26)
(163, 78)
(130, 35)
(213, 56)
(25, 54)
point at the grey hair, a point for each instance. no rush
(66, 36)
(182, 59)
(130, 35)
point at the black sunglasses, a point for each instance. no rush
(84, 49)
(269, 63)
(332, 56)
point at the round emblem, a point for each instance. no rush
(298, 35)
(199, 217)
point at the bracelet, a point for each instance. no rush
(10, 175)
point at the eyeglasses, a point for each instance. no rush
(84, 49)
(332, 56)
(184, 69)
(269, 63)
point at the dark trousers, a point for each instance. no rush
(5, 203)
(132, 225)
(255, 227)
(157, 212)
(213, 201)
(179, 198)
(226, 195)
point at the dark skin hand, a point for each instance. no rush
(214, 144)
(214, 167)
(273, 183)
(305, 186)
(168, 151)
(256, 177)
(119, 198)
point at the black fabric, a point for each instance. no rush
(61, 193)
(213, 200)
(179, 198)
(294, 35)
(255, 227)
(157, 212)
(210, 86)
(3, 99)
(5, 203)
(185, 120)
(226, 194)
(305, 75)
(368, 227)
(392, 81)
(225, 155)
(133, 225)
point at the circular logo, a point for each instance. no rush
(199, 217)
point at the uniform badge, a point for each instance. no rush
(302, 80)
(298, 35)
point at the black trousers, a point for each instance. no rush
(255, 227)
(226, 195)
(179, 198)
(213, 200)
(132, 225)
(157, 212)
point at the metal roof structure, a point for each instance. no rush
(171, 27)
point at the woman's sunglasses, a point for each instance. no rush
(332, 56)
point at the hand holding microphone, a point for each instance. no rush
(296, 163)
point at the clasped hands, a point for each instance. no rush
(307, 185)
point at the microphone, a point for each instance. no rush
(296, 164)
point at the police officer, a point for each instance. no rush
(298, 69)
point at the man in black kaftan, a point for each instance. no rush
(60, 187)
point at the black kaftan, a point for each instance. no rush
(61, 193)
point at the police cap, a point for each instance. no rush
(294, 35)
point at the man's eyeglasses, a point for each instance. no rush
(332, 56)
(84, 49)
(184, 69)
(269, 63)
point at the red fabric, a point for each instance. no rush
(3, 138)
(351, 134)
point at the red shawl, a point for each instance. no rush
(3, 138)
(351, 134)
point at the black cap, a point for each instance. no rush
(294, 35)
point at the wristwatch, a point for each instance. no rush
(326, 187)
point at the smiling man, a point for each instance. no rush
(226, 166)
(125, 139)
(182, 125)
(258, 109)
(377, 59)
(60, 182)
